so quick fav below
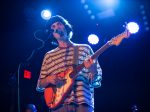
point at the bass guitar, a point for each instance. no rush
(54, 96)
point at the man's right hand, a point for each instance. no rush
(53, 79)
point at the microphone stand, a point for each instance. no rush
(29, 58)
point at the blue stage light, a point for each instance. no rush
(93, 39)
(133, 27)
(109, 3)
(46, 14)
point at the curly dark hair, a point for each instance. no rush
(59, 18)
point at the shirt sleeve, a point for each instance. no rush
(96, 80)
(43, 74)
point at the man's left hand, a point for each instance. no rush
(90, 64)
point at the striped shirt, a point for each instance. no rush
(59, 60)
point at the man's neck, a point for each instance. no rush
(64, 44)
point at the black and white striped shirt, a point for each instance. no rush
(59, 59)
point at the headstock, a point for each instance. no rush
(118, 39)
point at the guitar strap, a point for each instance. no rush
(75, 61)
(75, 58)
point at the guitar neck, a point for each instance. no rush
(94, 56)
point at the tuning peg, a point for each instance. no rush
(125, 26)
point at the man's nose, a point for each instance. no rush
(57, 27)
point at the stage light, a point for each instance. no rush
(46, 14)
(147, 28)
(86, 6)
(106, 14)
(89, 12)
(109, 3)
(133, 27)
(144, 17)
(92, 17)
(93, 39)
(82, 1)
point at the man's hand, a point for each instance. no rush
(55, 80)
(51, 79)
(91, 65)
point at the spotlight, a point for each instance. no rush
(93, 39)
(133, 27)
(147, 28)
(92, 17)
(82, 1)
(46, 14)
(110, 3)
(86, 6)
(89, 12)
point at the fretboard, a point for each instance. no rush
(94, 56)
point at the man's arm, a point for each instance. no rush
(44, 78)
(45, 82)
(95, 71)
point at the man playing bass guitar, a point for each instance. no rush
(77, 92)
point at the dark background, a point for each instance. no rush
(125, 68)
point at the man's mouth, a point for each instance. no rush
(59, 31)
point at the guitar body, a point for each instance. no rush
(54, 96)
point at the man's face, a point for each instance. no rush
(61, 29)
